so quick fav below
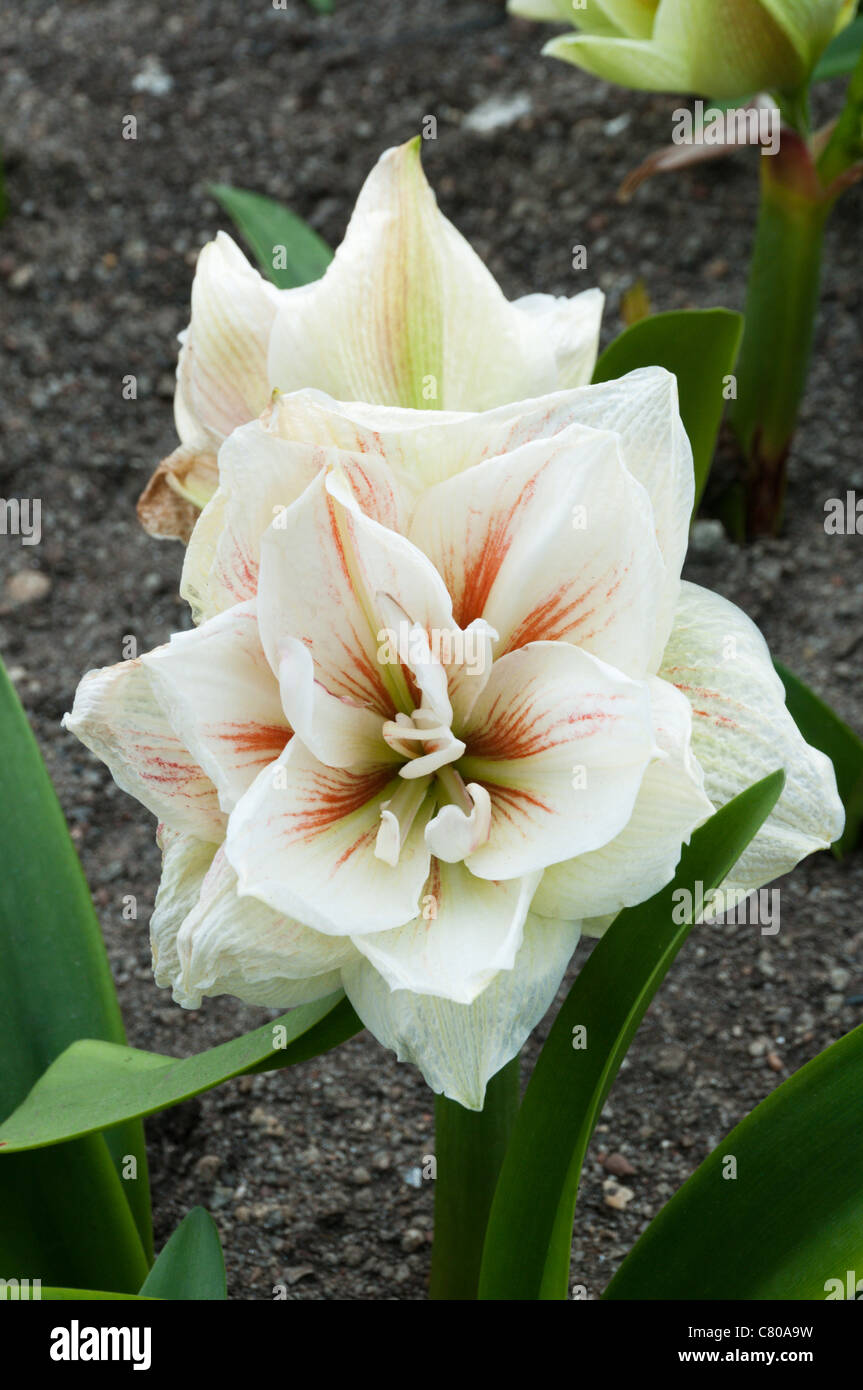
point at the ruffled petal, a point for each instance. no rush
(222, 698)
(222, 372)
(552, 542)
(468, 929)
(261, 473)
(561, 742)
(671, 803)
(117, 716)
(236, 945)
(459, 1047)
(742, 731)
(303, 841)
(324, 573)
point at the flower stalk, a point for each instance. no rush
(470, 1146)
(781, 305)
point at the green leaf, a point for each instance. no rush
(55, 987)
(191, 1266)
(55, 1295)
(700, 347)
(267, 225)
(527, 1248)
(841, 56)
(791, 1219)
(94, 1085)
(825, 730)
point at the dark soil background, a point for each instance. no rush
(313, 1174)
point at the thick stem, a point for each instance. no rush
(781, 304)
(469, 1150)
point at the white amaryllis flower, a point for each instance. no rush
(406, 315)
(718, 48)
(414, 746)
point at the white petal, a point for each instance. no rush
(642, 408)
(454, 833)
(303, 840)
(459, 1047)
(742, 731)
(561, 742)
(236, 945)
(552, 542)
(337, 732)
(222, 373)
(570, 327)
(117, 716)
(221, 696)
(644, 856)
(260, 474)
(321, 574)
(185, 861)
(408, 315)
(467, 931)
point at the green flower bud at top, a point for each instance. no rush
(718, 48)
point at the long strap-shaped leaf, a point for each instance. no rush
(55, 986)
(94, 1085)
(527, 1247)
(700, 347)
(786, 1217)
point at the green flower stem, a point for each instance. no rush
(470, 1145)
(781, 304)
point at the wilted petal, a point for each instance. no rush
(117, 716)
(183, 483)
(303, 840)
(459, 1047)
(671, 803)
(742, 731)
(561, 743)
(221, 697)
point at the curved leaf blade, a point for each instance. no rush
(64, 1212)
(54, 1294)
(700, 347)
(790, 1221)
(266, 226)
(94, 1084)
(55, 987)
(191, 1265)
(529, 1235)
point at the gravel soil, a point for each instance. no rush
(312, 1174)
